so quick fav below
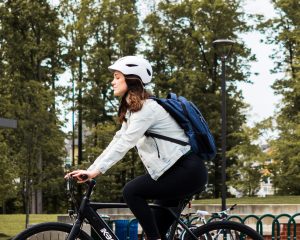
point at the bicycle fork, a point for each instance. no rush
(75, 230)
(78, 222)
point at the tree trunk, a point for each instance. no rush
(217, 178)
(33, 202)
(39, 192)
(27, 191)
(3, 207)
(27, 202)
(39, 201)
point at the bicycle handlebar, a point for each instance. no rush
(71, 188)
(84, 177)
(224, 213)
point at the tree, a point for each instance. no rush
(8, 188)
(31, 62)
(179, 38)
(285, 155)
(283, 31)
(76, 21)
(247, 169)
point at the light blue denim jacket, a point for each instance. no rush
(156, 154)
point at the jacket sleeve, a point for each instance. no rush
(138, 123)
(113, 141)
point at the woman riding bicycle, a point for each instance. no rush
(173, 170)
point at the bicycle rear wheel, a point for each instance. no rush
(224, 230)
(193, 229)
(49, 231)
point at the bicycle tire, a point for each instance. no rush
(50, 230)
(193, 228)
(177, 235)
(224, 230)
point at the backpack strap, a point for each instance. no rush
(155, 135)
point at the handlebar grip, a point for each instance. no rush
(84, 177)
(81, 177)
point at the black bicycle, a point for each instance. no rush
(87, 213)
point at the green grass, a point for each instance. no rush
(11, 224)
(254, 200)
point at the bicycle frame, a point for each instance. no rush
(87, 210)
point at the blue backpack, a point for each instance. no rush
(189, 117)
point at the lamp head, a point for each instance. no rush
(223, 47)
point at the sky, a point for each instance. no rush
(260, 95)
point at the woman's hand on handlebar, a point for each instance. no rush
(82, 175)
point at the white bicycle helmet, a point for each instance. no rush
(133, 65)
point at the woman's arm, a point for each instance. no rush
(125, 139)
(138, 123)
(111, 144)
(92, 172)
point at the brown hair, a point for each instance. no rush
(134, 98)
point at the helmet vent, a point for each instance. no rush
(131, 65)
(148, 71)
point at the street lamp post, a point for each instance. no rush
(223, 47)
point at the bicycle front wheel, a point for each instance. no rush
(224, 230)
(47, 231)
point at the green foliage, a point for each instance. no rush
(286, 158)
(30, 62)
(283, 31)
(113, 33)
(248, 167)
(8, 188)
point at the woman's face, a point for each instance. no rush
(119, 85)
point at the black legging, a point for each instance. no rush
(185, 177)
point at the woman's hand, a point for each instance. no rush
(82, 175)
